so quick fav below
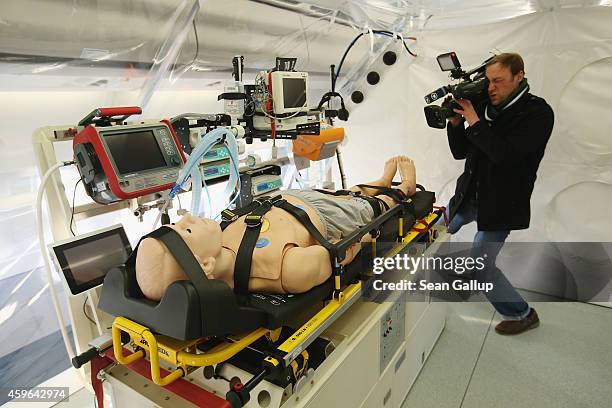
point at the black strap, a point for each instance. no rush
(183, 256)
(304, 219)
(397, 195)
(337, 192)
(376, 203)
(181, 252)
(244, 257)
(229, 216)
(383, 202)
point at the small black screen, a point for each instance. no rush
(135, 151)
(294, 92)
(86, 261)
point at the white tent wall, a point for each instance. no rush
(567, 61)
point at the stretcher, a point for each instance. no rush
(206, 324)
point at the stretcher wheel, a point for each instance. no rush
(238, 396)
(209, 372)
(234, 381)
(233, 399)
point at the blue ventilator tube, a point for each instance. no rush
(190, 175)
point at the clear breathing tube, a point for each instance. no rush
(229, 190)
(190, 175)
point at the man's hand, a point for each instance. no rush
(455, 120)
(467, 111)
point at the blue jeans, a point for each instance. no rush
(514, 306)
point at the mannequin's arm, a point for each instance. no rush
(354, 249)
(305, 268)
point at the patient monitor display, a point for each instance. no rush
(289, 91)
(275, 106)
(127, 161)
(85, 260)
(123, 145)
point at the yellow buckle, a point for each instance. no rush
(253, 221)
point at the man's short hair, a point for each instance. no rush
(511, 60)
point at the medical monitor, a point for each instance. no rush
(127, 161)
(289, 92)
(140, 149)
(85, 260)
(123, 146)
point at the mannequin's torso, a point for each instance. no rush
(280, 234)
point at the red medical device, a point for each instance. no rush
(119, 161)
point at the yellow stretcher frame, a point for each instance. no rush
(183, 353)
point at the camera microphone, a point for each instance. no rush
(437, 94)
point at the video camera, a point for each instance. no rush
(473, 86)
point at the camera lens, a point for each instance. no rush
(389, 58)
(357, 97)
(373, 78)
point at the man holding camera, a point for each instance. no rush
(502, 148)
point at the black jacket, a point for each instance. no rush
(501, 161)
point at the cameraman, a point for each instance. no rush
(502, 148)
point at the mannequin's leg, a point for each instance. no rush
(405, 166)
(384, 181)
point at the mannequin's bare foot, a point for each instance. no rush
(389, 172)
(407, 172)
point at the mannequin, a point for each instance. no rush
(287, 259)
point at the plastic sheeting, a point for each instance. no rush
(108, 44)
(131, 45)
(440, 14)
(122, 45)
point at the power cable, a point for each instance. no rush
(72, 208)
(378, 32)
(197, 44)
(85, 311)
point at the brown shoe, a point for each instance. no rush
(518, 326)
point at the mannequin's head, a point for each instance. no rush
(156, 267)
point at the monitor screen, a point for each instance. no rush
(294, 92)
(211, 171)
(85, 261)
(135, 151)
